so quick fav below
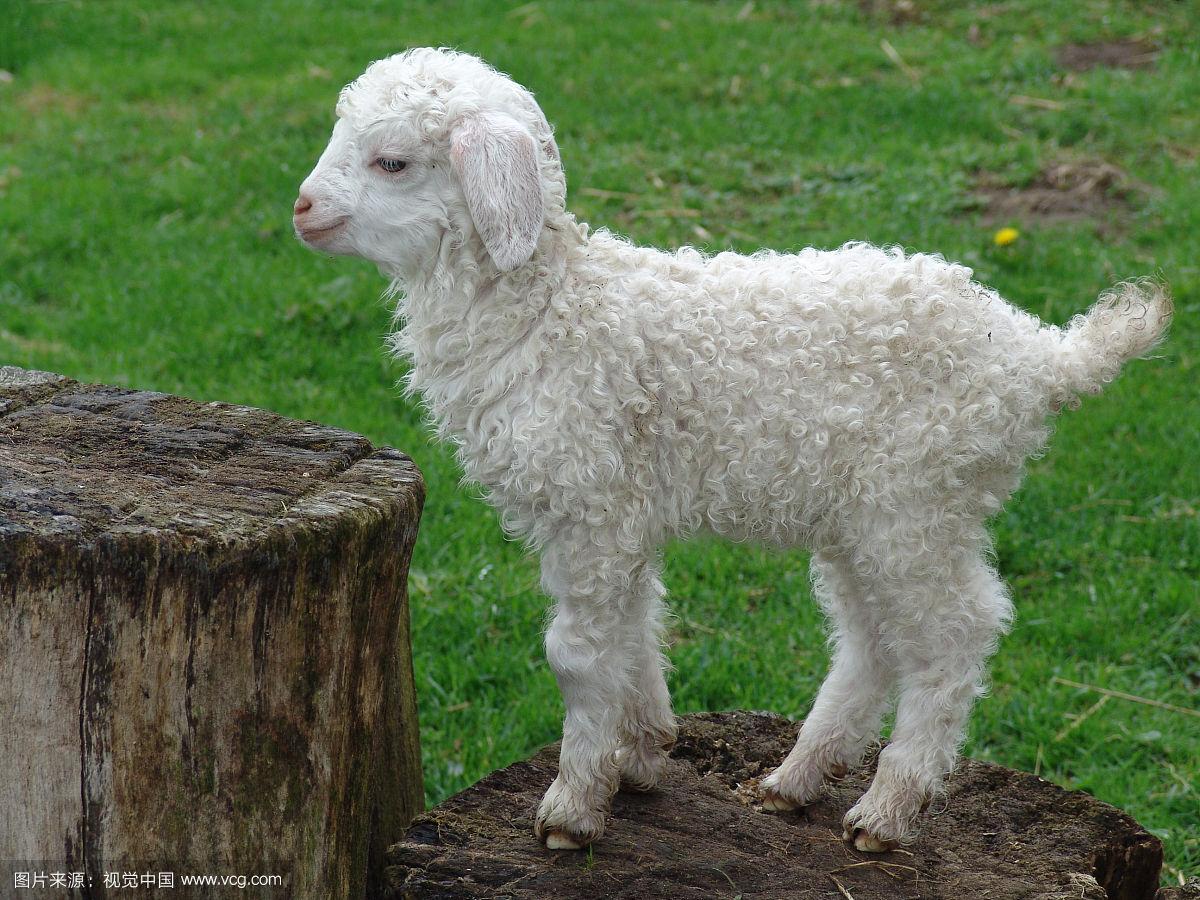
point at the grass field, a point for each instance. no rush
(150, 152)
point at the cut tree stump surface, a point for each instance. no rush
(93, 461)
(999, 834)
(204, 649)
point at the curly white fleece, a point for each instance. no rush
(874, 406)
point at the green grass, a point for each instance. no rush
(150, 152)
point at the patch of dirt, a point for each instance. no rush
(1064, 191)
(894, 12)
(1129, 53)
(702, 834)
(42, 98)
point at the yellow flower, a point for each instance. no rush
(1005, 236)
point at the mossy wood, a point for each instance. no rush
(204, 648)
(999, 834)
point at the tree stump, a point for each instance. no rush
(1000, 834)
(204, 648)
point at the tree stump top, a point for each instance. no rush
(82, 462)
(1000, 834)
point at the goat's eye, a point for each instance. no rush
(390, 165)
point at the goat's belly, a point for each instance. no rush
(780, 527)
(755, 499)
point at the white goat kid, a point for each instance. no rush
(872, 406)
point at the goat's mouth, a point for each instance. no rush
(316, 234)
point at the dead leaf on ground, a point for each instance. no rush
(1128, 53)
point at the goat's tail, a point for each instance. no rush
(1127, 321)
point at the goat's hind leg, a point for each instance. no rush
(849, 707)
(943, 630)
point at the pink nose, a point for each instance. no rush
(303, 205)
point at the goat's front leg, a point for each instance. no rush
(590, 649)
(648, 730)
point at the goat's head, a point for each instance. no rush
(429, 145)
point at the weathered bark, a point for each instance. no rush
(1000, 834)
(204, 649)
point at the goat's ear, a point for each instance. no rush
(496, 161)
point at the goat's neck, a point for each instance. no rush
(467, 327)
